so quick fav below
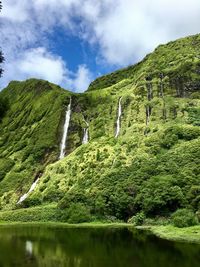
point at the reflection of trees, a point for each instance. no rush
(72, 247)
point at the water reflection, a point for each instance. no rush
(65, 247)
(29, 247)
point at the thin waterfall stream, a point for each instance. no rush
(65, 131)
(33, 186)
(119, 117)
(86, 133)
(62, 151)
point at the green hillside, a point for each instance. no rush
(151, 169)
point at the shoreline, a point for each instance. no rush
(68, 225)
(169, 232)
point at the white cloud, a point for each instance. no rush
(40, 63)
(37, 62)
(133, 28)
(80, 80)
(124, 31)
(15, 11)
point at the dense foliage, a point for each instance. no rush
(184, 218)
(3, 106)
(28, 133)
(174, 61)
(149, 171)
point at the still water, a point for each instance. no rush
(30, 246)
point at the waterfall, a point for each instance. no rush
(65, 131)
(85, 137)
(33, 186)
(148, 114)
(119, 117)
(86, 133)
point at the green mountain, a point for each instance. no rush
(132, 143)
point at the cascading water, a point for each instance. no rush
(86, 134)
(33, 186)
(119, 117)
(148, 114)
(65, 131)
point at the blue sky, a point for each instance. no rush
(71, 42)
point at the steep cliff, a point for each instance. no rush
(151, 164)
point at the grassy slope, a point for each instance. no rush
(149, 167)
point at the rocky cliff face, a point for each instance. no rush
(151, 166)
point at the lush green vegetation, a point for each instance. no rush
(3, 107)
(184, 218)
(145, 175)
(188, 234)
(176, 62)
(30, 127)
(34, 214)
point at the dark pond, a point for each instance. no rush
(87, 247)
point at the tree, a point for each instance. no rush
(1, 54)
(3, 106)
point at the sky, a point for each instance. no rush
(71, 42)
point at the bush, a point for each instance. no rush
(74, 196)
(169, 140)
(5, 167)
(184, 218)
(30, 201)
(194, 196)
(160, 196)
(3, 106)
(77, 213)
(157, 221)
(138, 219)
(33, 214)
(52, 194)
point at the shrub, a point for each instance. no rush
(138, 219)
(194, 115)
(157, 221)
(74, 196)
(3, 106)
(76, 213)
(46, 179)
(5, 167)
(194, 196)
(33, 214)
(169, 140)
(28, 202)
(184, 218)
(53, 194)
(160, 196)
